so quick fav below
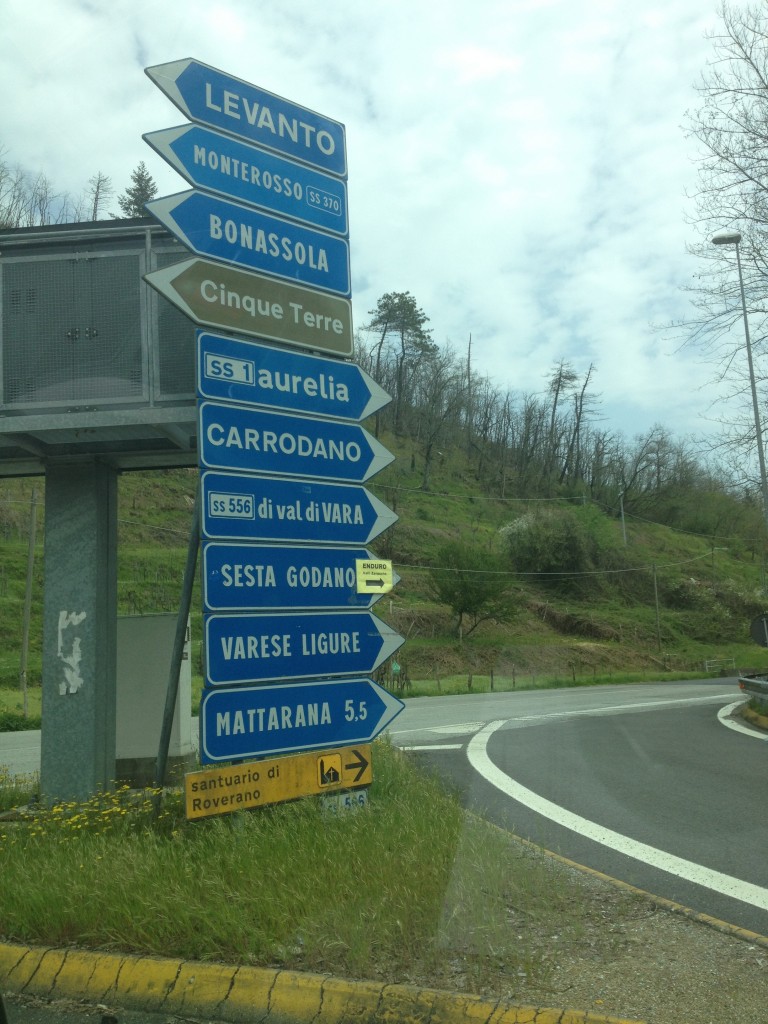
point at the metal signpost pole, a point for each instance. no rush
(185, 603)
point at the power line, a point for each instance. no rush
(589, 572)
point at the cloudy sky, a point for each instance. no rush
(519, 166)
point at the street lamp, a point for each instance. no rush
(623, 526)
(733, 238)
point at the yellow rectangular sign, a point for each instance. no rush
(274, 780)
(373, 577)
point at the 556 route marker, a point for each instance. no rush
(238, 506)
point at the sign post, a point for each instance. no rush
(258, 721)
(212, 97)
(223, 297)
(239, 506)
(240, 788)
(248, 238)
(261, 375)
(218, 163)
(258, 577)
(288, 627)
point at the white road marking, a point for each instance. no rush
(723, 718)
(610, 708)
(726, 885)
(434, 746)
(465, 727)
(452, 730)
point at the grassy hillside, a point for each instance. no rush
(665, 601)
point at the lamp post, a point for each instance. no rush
(733, 238)
(623, 526)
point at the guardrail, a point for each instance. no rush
(757, 688)
(721, 663)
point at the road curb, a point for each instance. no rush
(243, 994)
(754, 718)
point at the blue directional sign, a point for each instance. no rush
(241, 507)
(252, 374)
(249, 238)
(253, 577)
(251, 441)
(265, 648)
(214, 98)
(255, 721)
(218, 163)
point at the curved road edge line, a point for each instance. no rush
(723, 717)
(726, 885)
(242, 994)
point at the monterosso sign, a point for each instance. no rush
(218, 163)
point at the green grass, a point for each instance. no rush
(12, 710)
(410, 879)
(16, 790)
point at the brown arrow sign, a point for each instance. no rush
(217, 295)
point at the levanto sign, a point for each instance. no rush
(253, 721)
(254, 240)
(238, 506)
(235, 437)
(218, 163)
(214, 98)
(252, 374)
(216, 295)
(265, 648)
(243, 786)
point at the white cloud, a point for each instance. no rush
(519, 167)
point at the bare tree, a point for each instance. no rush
(100, 189)
(441, 391)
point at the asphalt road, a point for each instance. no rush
(25, 1010)
(646, 783)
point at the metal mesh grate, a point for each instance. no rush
(176, 348)
(72, 330)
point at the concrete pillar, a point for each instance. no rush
(77, 755)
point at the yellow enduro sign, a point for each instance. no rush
(373, 576)
(276, 780)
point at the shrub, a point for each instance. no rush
(12, 721)
(558, 545)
